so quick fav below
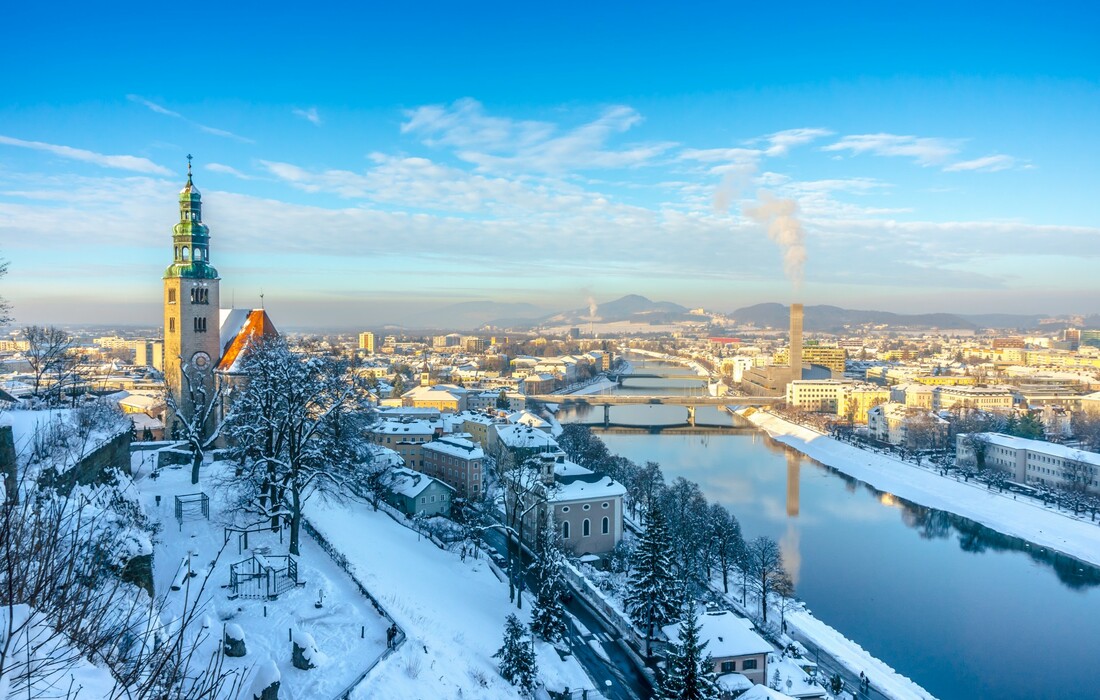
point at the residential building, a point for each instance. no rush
(406, 438)
(985, 398)
(458, 462)
(366, 342)
(414, 493)
(732, 643)
(1028, 461)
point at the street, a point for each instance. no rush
(627, 680)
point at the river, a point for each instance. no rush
(966, 612)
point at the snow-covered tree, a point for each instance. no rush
(651, 599)
(296, 426)
(517, 657)
(689, 670)
(195, 421)
(548, 616)
(53, 359)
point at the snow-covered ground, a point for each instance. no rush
(596, 387)
(1024, 519)
(451, 610)
(349, 632)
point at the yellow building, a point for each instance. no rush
(824, 355)
(366, 341)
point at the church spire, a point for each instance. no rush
(191, 237)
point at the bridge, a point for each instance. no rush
(691, 402)
(620, 377)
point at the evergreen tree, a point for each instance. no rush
(689, 670)
(548, 616)
(517, 658)
(652, 590)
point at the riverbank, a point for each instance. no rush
(1027, 521)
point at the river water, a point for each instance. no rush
(966, 612)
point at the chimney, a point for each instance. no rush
(795, 353)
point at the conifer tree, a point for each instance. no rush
(651, 599)
(548, 616)
(689, 670)
(517, 659)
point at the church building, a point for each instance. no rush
(203, 343)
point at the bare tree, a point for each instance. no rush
(527, 487)
(1077, 476)
(195, 413)
(5, 305)
(765, 568)
(64, 602)
(53, 359)
(728, 542)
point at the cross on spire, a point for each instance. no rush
(188, 168)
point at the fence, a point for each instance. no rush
(342, 561)
(263, 576)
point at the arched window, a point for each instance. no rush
(186, 254)
(565, 529)
(587, 527)
(606, 525)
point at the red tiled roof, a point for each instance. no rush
(257, 326)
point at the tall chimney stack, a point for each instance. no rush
(795, 353)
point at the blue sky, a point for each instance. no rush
(362, 164)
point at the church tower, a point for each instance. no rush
(191, 316)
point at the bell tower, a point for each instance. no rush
(191, 317)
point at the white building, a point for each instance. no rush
(1034, 460)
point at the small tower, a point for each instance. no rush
(191, 319)
(425, 374)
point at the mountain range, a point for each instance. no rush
(639, 309)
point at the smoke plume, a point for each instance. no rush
(780, 216)
(593, 307)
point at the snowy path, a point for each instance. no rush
(1024, 519)
(452, 612)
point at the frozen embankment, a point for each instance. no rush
(1029, 521)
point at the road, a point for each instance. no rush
(588, 636)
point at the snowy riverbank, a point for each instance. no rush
(1028, 521)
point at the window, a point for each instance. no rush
(171, 325)
(729, 666)
(748, 665)
(200, 324)
(606, 525)
(433, 499)
(587, 507)
(604, 505)
(565, 509)
(565, 530)
(586, 528)
(171, 296)
(423, 500)
(200, 295)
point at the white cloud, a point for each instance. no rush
(160, 109)
(925, 151)
(227, 170)
(988, 164)
(781, 142)
(722, 155)
(309, 115)
(502, 144)
(133, 163)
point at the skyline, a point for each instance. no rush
(367, 166)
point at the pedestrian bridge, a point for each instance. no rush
(691, 402)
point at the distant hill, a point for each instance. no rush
(632, 307)
(834, 318)
(1006, 321)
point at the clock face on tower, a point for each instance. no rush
(200, 360)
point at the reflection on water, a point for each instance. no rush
(942, 599)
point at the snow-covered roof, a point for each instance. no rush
(240, 327)
(456, 447)
(734, 683)
(585, 488)
(524, 436)
(406, 427)
(726, 635)
(763, 692)
(411, 484)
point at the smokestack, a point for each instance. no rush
(795, 353)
